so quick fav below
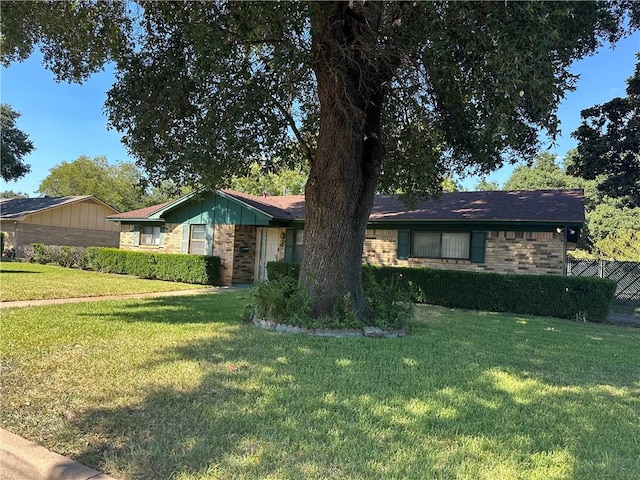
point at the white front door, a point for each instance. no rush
(268, 242)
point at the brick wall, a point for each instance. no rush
(26, 233)
(244, 261)
(223, 247)
(173, 237)
(172, 242)
(380, 247)
(506, 252)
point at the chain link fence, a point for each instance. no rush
(625, 274)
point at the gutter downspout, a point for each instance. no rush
(564, 250)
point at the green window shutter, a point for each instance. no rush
(208, 247)
(162, 231)
(478, 241)
(404, 244)
(289, 244)
(136, 235)
(186, 229)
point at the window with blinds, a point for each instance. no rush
(441, 245)
(197, 240)
(149, 235)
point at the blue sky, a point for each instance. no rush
(65, 121)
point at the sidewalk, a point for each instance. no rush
(172, 293)
(21, 459)
(624, 320)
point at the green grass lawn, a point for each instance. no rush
(179, 388)
(31, 281)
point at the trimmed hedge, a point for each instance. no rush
(544, 295)
(185, 268)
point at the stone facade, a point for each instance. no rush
(538, 253)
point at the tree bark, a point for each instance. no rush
(344, 173)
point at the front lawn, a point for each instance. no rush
(179, 388)
(32, 281)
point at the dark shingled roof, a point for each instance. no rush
(139, 213)
(520, 205)
(512, 206)
(19, 207)
(561, 206)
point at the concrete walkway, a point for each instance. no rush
(172, 293)
(21, 459)
(624, 320)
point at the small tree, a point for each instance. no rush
(15, 145)
(118, 185)
(609, 144)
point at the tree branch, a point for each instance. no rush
(292, 123)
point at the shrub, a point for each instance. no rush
(41, 253)
(28, 252)
(390, 303)
(282, 300)
(2, 235)
(277, 270)
(199, 269)
(544, 295)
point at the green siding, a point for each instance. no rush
(215, 210)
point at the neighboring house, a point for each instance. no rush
(498, 231)
(76, 221)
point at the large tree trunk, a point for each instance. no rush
(344, 174)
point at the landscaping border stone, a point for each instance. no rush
(371, 332)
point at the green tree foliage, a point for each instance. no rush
(486, 186)
(604, 215)
(609, 217)
(12, 194)
(543, 174)
(163, 192)
(117, 185)
(609, 144)
(378, 95)
(15, 145)
(624, 245)
(450, 185)
(289, 181)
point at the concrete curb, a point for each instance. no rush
(21, 459)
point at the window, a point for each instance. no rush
(149, 235)
(197, 240)
(440, 245)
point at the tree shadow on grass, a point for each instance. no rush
(432, 405)
(16, 271)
